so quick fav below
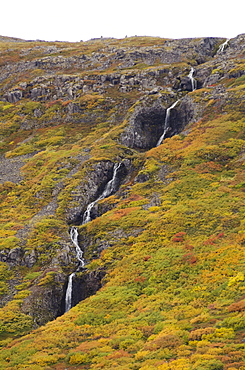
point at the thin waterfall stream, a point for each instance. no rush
(79, 255)
(223, 46)
(168, 111)
(166, 123)
(68, 296)
(110, 188)
(193, 81)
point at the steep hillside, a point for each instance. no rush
(122, 204)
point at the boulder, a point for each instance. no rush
(13, 96)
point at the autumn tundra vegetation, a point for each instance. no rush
(163, 287)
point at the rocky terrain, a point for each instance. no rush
(70, 114)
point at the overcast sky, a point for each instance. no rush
(75, 20)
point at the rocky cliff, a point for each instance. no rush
(69, 113)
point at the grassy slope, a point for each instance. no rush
(173, 297)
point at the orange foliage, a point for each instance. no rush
(166, 341)
(87, 346)
(237, 306)
(118, 354)
(189, 258)
(140, 279)
(208, 167)
(213, 239)
(146, 258)
(119, 213)
(53, 102)
(198, 333)
(65, 103)
(179, 237)
(188, 247)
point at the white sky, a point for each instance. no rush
(75, 20)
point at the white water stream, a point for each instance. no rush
(193, 81)
(166, 123)
(223, 46)
(168, 111)
(110, 188)
(68, 296)
(79, 255)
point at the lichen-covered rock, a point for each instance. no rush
(13, 257)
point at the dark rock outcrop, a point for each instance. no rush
(51, 87)
(44, 302)
(145, 127)
(88, 191)
(146, 124)
(181, 115)
(84, 285)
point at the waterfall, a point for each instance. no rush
(168, 111)
(68, 297)
(79, 252)
(87, 213)
(166, 123)
(223, 46)
(79, 255)
(110, 188)
(193, 81)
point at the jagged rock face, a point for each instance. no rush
(18, 257)
(145, 127)
(88, 191)
(51, 87)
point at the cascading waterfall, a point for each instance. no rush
(223, 46)
(193, 81)
(167, 118)
(166, 123)
(79, 254)
(110, 188)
